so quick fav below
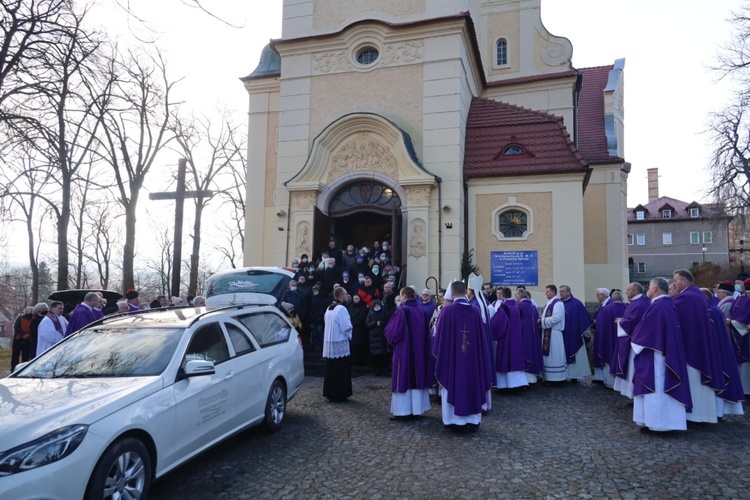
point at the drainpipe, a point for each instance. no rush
(288, 229)
(440, 232)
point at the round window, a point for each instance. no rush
(513, 223)
(367, 56)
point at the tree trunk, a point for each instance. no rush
(195, 256)
(128, 251)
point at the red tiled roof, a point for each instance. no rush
(679, 209)
(592, 140)
(492, 126)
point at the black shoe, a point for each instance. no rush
(400, 418)
(601, 382)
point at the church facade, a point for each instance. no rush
(443, 126)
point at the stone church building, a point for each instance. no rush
(442, 126)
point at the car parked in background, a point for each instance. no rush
(120, 403)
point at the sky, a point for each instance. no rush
(669, 47)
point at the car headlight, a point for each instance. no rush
(47, 449)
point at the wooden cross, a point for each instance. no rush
(179, 196)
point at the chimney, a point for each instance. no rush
(653, 184)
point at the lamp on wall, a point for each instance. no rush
(704, 254)
(281, 213)
(279, 228)
(447, 208)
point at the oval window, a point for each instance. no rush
(367, 55)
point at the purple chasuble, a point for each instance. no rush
(81, 317)
(631, 317)
(605, 338)
(407, 331)
(507, 331)
(462, 364)
(733, 392)
(741, 312)
(98, 314)
(701, 350)
(577, 321)
(133, 308)
(532, 337)
(429, 307)
(659, 331)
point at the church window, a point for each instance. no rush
(501, 52)
(513, 223)
(367, 55)
(370, 194)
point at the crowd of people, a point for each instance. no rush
(41, 326)
(679, 352)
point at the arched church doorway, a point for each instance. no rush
(359, 214)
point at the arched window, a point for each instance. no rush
(513, 150)
(501, 52)
(369, 195)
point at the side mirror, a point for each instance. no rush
(196, 367)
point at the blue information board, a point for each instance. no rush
(515, 268)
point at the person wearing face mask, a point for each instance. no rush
(295, 297)
(318, 304)
(377, 278)
(331, 275)
(377, 318)
(385, 249)
(348, 283)
(368, 292)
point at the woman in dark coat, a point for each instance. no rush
(376, 321)
(359, 346)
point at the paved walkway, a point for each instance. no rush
(577, 440)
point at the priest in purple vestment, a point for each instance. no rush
(701, 348)
(510, 365)
(662, 392)
(622, 358)
(605, 338)
(462, 365)
(739, 316)
(577, 321)
(532, 336)
(83, 314)
(408, 334)
(729, 401)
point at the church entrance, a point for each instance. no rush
(360, 214)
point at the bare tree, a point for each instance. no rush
(730, 127)
(136, 123)
(210, 149)
(29, 28)
(98, 248)
(58, 118)
(162, 266)
(235, 178)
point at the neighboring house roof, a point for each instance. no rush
(680, 210)
(592, 136)
(493, 127)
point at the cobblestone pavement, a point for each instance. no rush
(576, 440)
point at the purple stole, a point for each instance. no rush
(547, 332)
(56, 322)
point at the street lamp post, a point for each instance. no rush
(704, 254)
